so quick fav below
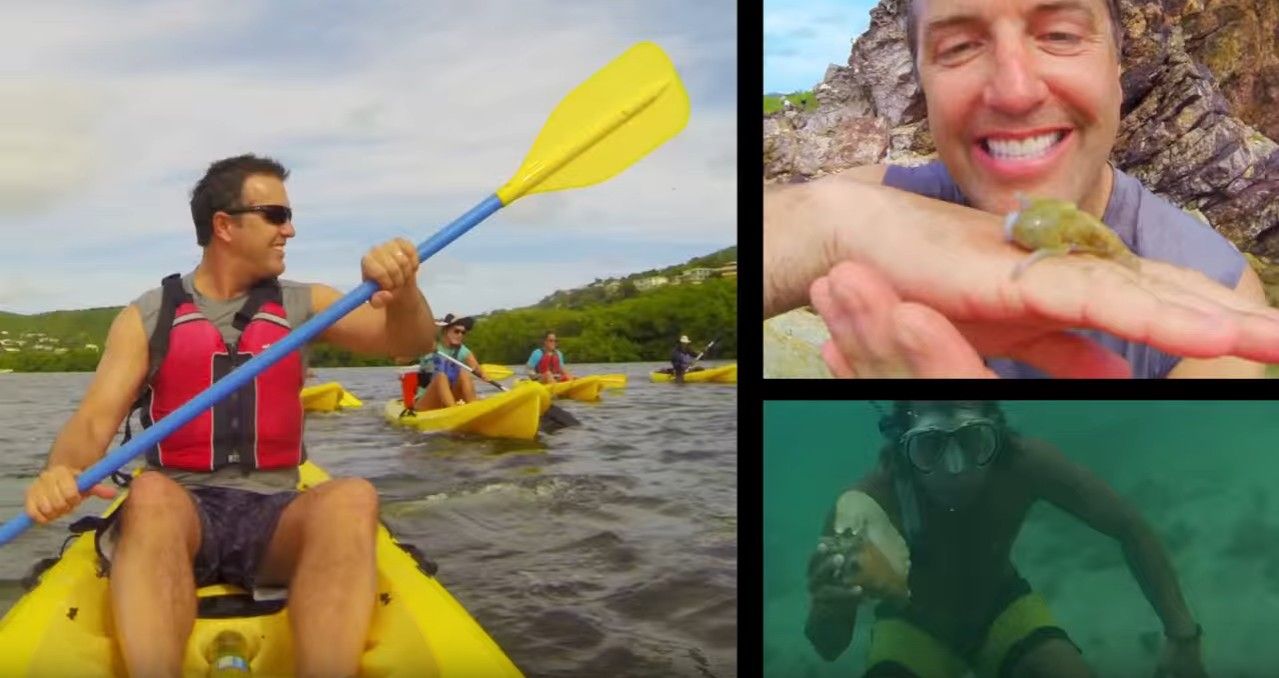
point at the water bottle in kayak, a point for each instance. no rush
(230, 656)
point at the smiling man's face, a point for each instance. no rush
(1023, 96)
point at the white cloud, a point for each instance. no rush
(801, 39)
(394, 121)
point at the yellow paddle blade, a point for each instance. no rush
(628, 108)
(496, 372)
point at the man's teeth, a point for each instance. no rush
(1029, 147)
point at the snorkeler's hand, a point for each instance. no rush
(831, 570)
(876, 334)
(1181, 659)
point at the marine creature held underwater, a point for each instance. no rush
(1051, 226)
(869, 550)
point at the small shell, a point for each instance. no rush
(884, 558)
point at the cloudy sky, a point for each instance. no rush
(394, 118)
(803, 37)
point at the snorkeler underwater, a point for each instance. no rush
(1021, 538)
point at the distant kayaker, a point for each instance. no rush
(546, 364)
(218, 501)
(442, 383)
(682, 358)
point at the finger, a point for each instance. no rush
(391, 269)
(33, 509)
(855, 302)
(44, 507)
(374, 270)
(389, 261)
(1069, 355)
(410, 254)
(934, 346)
(1176, 311)
(836, 362)
(103, 491)
(66, 486)
(870, 299)
(379, 299)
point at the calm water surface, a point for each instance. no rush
(604, 549)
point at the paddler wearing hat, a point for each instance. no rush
(442, 383)
(682, 357)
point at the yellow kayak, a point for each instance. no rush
(328, 397)
(582, 388)
(513, 414)
(613, 380)
(714, 375)
(63, 626)
(496, 372)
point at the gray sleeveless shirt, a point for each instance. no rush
(1152, 227)
(221, 312)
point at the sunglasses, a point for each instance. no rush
(458, 330)
(278, 215)
(978, 442)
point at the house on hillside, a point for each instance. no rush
(651, 283)
(91, 347)
(696, 275)
(728, 270)
(613, 286)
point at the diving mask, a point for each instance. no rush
(972, 444)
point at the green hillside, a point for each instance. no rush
(85, 326)
(607, 321)
(803, 100)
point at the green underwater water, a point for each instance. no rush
(1204, 474)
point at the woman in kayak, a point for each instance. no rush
(547, 363)
(441, 382)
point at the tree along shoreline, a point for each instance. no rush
(642, 328)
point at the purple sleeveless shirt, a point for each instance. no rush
(1152, 227)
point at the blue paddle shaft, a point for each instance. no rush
(242, 375)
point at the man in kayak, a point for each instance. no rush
(217, 502)
(682, 358)
(907, 267)
(442, 383)
(957, 482)
(546, 364)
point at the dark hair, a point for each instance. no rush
(221, 187)
(912, 29)
(547, 335)
(896, 423)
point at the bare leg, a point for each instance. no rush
(437, 394)
(152, 581)
(324, 547)
(1055, 657)
(545, 378)
(465, 387)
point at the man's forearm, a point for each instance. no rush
(80, 443)
(410, 326)
(1153, 570)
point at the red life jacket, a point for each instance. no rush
(550, 362)
(257, 427)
